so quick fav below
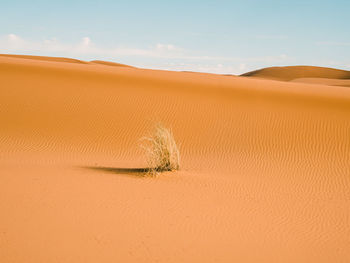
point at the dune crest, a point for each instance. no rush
(297, 72)
(43, 58)
(107, 63)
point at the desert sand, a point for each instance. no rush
(297, 72)
(265, 171)
(324, 81)
(107, 63)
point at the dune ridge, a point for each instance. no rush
(264, 175)
(289, 73)
(107, 63)
(44, 58)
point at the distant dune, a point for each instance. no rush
(298, 72)
(264, 173)
(106, 63)
(54, 59)
(69, 60)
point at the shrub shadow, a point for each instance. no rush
(134, 172)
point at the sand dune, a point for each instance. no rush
(107, 63)
(324, 81)
(298, 72)
(54, 59)
(264, 176)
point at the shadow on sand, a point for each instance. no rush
(135, 172)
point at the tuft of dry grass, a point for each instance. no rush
(161, 150)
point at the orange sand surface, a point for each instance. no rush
(324, 81)
(265, 172)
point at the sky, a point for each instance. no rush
(226, 37)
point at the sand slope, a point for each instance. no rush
(265, 167)
(324, 81)
(107, 63)
(298, 72)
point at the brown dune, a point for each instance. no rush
(297, 72)
(54, 59)
(324, 81)
(264, 174)
(107, 63)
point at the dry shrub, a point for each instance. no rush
(162, 151)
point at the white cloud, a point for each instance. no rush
(14, 43)
(167, 47)
(242, 67)
(13, 38)
(182, 59)
(86, 41)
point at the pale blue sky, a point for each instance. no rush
(208, 36)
